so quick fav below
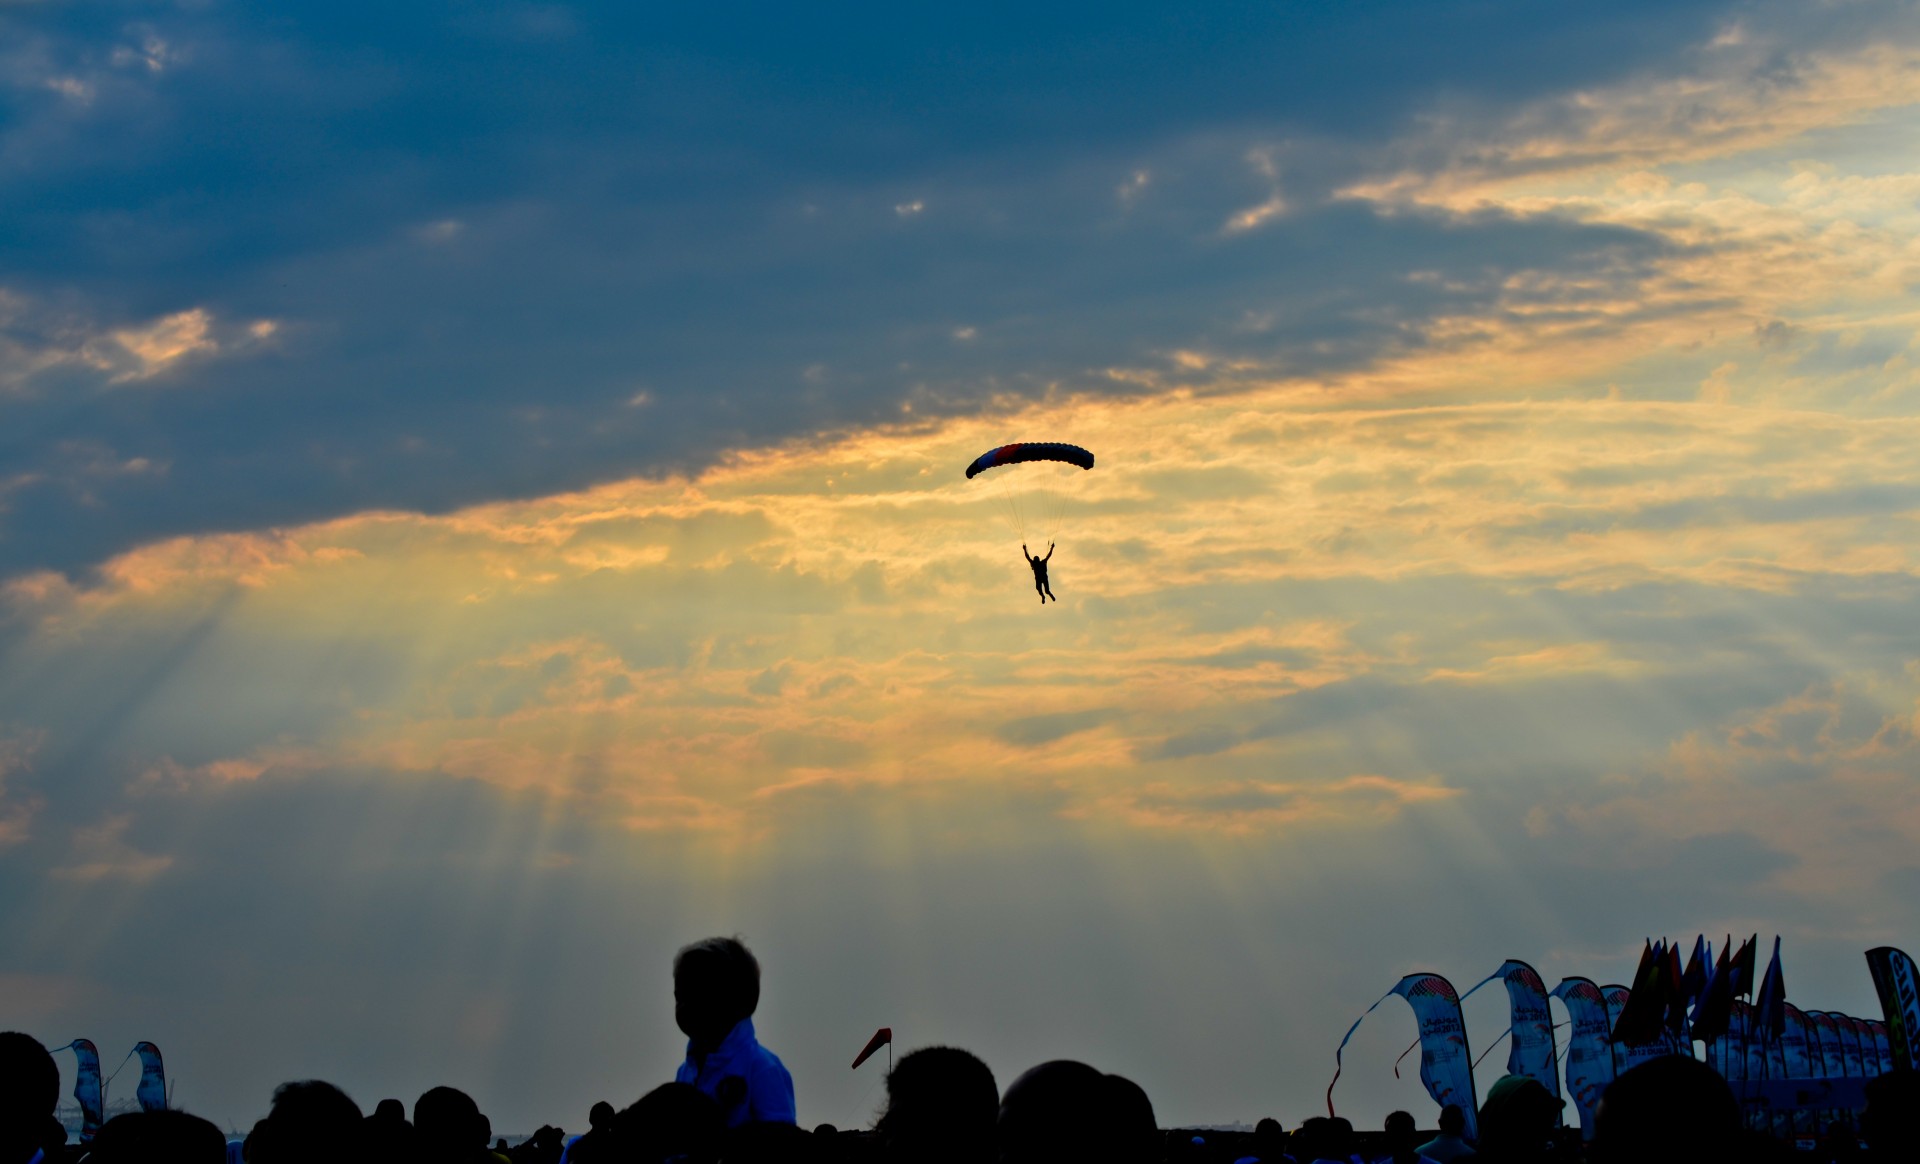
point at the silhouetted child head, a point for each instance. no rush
(141, 1137)
(308, 1122)
(1453, 1120)
(672, 1120)
(391, 1110)
(600, 1115)
(716, 983)
(942, 1104)
(1670, 1109)
(447, 1125)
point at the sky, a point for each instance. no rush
(481, 506)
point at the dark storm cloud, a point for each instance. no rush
(510, 251)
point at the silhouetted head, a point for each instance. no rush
(386, 1136)
(942, 1104)
(29, 1091)
(716, 983)
(674, 1119)
(447, 1125)
(308, 1123)
(825, 1131)
(141, 1137)
(1067, 1110)
(1339, 1138)
(1308, 1137)
(1136, 1132)
(1666, 1111)
(600, 1115)
(1891, 1123)
(1401, 1135)
(1518, 1118)
(1269, 1138)
(1453, 1120)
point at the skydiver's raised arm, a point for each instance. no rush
(1049, 556)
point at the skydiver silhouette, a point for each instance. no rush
(1039, 565)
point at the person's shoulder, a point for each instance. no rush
(765, 1060)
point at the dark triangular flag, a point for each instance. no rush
(1743, 966)
(1641, 1019)
(1716, 1005)
(1770, 1012)
(1693, 980)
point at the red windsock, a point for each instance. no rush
(880, 1038)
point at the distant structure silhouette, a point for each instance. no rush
(716, 989)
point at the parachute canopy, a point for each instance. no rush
(1030, 451)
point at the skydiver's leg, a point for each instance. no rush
(1050, 592)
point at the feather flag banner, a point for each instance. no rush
(1897, 983)
(1589, 1047)
(1446, 1064)
(87, 1091)
(152, 1090)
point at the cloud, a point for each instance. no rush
(102, 853)
(1250, 807)
(498, 362)
(45, 347)
(17, 806)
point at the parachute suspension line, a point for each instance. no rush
(1012, 503)
(1031, 478)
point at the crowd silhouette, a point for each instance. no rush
(732, 1102)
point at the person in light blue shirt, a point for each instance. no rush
(716, 989)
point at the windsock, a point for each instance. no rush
(152, 1092)
(881, 1038)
